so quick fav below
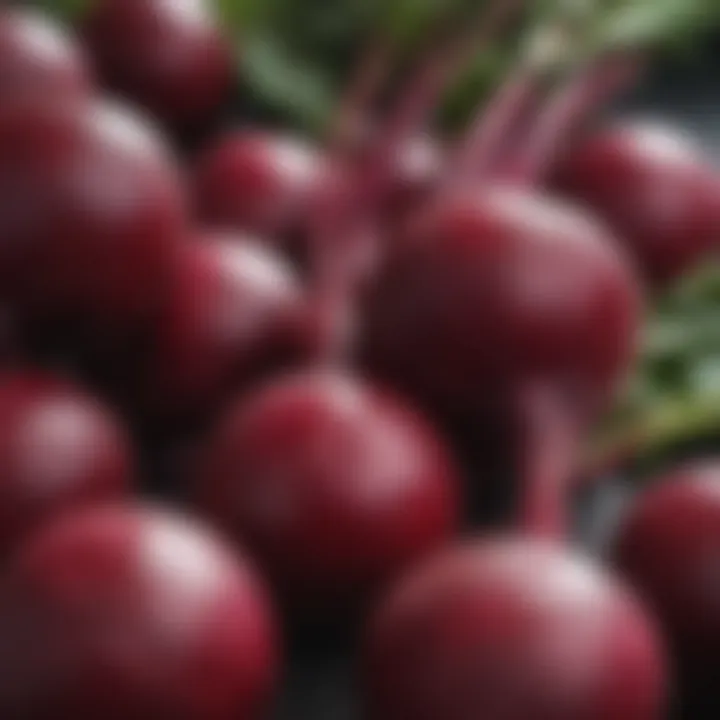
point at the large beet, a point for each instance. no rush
(132, 614)
(336, 487)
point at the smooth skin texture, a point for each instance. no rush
(511, 629)
(336, 487)
(132, 613)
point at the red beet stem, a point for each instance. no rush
(343, 214)
(547, 461)
(585, 92)
(356, 107)
(491, 133)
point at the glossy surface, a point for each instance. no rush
(91, 208)
(59, 449)
(668, 548)
(511, 630)
(257, 182)
(334, 486)
(129, 613)
(653, 186)
(235, 312)
(38, 59)
(488, 288)
(170, 56)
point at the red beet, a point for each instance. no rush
(235, 311)
(490, 288)
(668, 548)
(257, 182)
(91, 209)
(335, 486)
(133, 614)
(654, 189)
(38, 59)
(511, 630)
(168, 55)
(59, 449)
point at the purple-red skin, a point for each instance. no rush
(334, 486)
(91, 210)
(60, 449)
(490, 288)
(170, 56)
(257, 182)
(654, 189)
(235, 312)
(131, 613)
(511, 629)
(668, 548)
(39, 59)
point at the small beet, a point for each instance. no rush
(511, 630)
(235, 312)
(38, 59)
(170, 56)
(489, 288)
(91, 209)
(335, 487)
(668, 548)
(257, 182)
(59, 449)
(128, 613)
(654, 189)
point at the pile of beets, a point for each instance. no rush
(278, 383)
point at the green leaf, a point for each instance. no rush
(287, 83)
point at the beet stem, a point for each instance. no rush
(547, 462)
(587, 90)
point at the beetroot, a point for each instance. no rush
(129, 613)
(668, 548)
(235, 311)
(510, 630)
(257, 182)
(654, 189)
(38, 59)
(335, 486)
(91, 209)
(489, 288)
(59, 448)
(168, 55)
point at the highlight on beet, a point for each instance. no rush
(329, 333)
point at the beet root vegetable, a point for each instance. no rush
(234, 312)
(59, 449)
(257, 182)
(91, 209)
(131, 613)
(489, 288)
(38, 59)
(170, 56)
(655, 191)
(508, 630)
(334, 486)
(667, 548)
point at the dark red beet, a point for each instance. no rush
(235, 312)
(511, 630)
(654, 189)
(59, 449)
(492, 288)
(334, 486)
(668, 548)
(38, 59)
(168, 55)
(91, 208)
(132, 614)
(257, 182)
